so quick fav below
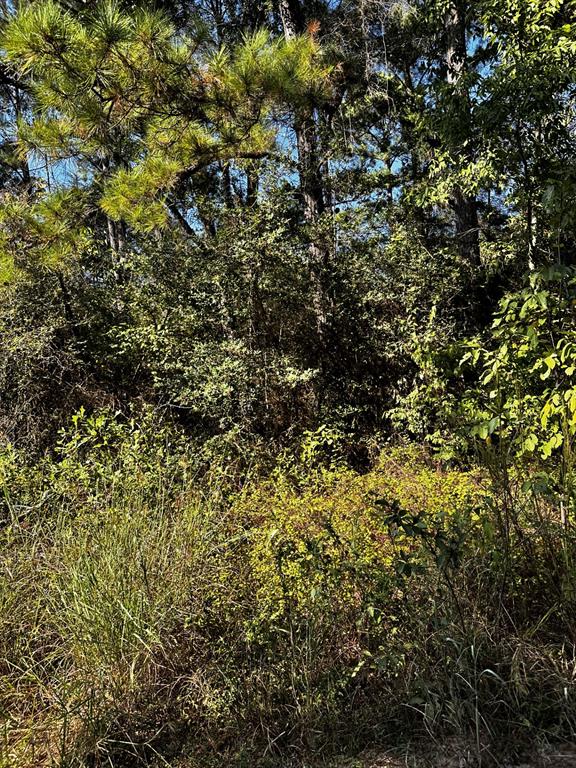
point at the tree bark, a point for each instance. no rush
(465, 206)
(311, 182)
(252, 187)
(292, 17)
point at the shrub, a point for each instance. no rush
(147, 612)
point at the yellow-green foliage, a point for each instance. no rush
(142, 600)
(46, 235)
(326, 541)
(138, 602)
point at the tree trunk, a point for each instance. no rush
(311, 184)
(292, 17)
(252, 187)
(465, 206)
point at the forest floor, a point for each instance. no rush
(448, 755)
(455, 756)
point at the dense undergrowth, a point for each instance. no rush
(224, 224)
(154, 609)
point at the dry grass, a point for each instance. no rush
(146, 618)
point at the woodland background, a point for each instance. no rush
(287, 379)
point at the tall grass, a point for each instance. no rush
(148, 616)
(90, 607)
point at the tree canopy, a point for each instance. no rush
(268, 216)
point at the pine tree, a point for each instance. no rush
(141, 109)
